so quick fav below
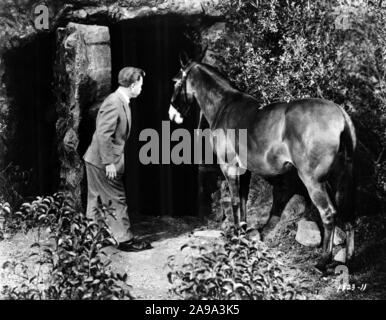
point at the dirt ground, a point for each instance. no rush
(147, 270)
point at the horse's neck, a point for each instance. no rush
(212, 96)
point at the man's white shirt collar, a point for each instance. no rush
(124, 95)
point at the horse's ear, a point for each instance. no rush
(184, 59)
(203, 53)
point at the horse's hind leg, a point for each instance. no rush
(344, 197)
(317, 191)
(349, 241)
(281, 194)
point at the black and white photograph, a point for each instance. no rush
(192, 150)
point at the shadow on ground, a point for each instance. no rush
(159, 228)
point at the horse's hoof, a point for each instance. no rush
(262, 234)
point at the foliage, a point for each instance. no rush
(238, 268)
(13, 183)
(282, 50)
(71, 265)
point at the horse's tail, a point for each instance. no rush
(345, 187)
(348, 138)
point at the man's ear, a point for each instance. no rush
(184, 59)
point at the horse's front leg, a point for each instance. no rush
(245, 179)
(233, 179)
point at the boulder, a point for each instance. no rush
(341, 256)
(294, 209)
(308, 233)
(339, 236)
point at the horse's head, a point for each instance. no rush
(182, 98)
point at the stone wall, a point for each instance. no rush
(83, 78)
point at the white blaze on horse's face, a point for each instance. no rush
(174, 115)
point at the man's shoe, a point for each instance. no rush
(134, 246)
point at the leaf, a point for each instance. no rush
(73, 282)
(120, 276)
(184, 246)
(170, 275)
(87, 296)
(74, 227)
(110, 240)
(201, 270)
(48, 250)
(48, 200)
(92, 224)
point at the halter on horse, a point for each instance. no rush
(301, 147)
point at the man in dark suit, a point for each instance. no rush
(105, 160)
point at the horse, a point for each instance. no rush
(300, 146)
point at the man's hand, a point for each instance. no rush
(111, 171)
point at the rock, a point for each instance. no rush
(272, 229)
(308, 233)
(341, 256)
(294, 209)
(213, 234)
(339, 236)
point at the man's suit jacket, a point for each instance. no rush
(112, 130)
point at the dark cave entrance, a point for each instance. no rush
(28, 77)
(154, 44)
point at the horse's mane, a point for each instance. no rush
(221, 77)
(214, 70)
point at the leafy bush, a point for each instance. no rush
(282, 50)
(71, 264)
(13, 183)
(5, 211)
(238, 268)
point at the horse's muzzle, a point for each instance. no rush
(174, 115)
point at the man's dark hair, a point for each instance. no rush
(129, 75)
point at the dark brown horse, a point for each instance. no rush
(302, 145)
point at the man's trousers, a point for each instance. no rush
(99, 185)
